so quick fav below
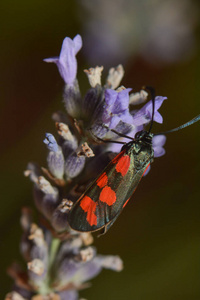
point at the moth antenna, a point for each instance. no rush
(153, 96)
(194, 120)
(119, 133)
(109, 141)
(122, 135)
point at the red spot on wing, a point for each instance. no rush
(115, 160)
(107, 196)
(123, 165)
(126, 202)
(89, 206)
(146, 169)
(102, 180)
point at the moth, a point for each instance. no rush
(101, 204)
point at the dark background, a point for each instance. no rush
(157, 236)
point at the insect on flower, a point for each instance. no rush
(102, 203)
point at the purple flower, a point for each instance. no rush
(46, 197)
(74, 165)
(55, 158)
(144, 115)
(60, 260)
(80, 271)
(66, 62)
(116, 108)
(51, 142)
(158, 143)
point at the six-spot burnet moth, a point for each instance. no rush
(104, 200)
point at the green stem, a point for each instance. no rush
(53, 251)
(45, 286)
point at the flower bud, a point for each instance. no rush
(138, 98)
(94, 75)
(36, 266)
(55, 157)
(74, 165)
(115, 76)
(72, 100)
(85, 151)
(59, 217)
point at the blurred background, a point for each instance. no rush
(157, 41)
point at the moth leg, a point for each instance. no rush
(108, 225)
(102, 231)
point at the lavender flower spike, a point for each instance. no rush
(66, 62)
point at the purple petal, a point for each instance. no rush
(116, 109)
(72, 99)
(116, 148)
(89, 270)
(110, 98)
(59, 218)
(117, 101)
(114, 121)
(49, 204)
(68, 295)
(125, 128)
(66, 63)
(159, 101)
(143, 116)
(90, 103)
(56, 163)
(159, 151)
(139, 119)
(157, 117)
(99, 130)
(122, 101)
(148, 107)
(77, 43)
(158, 142)
(52, 59)
(51, 142)
(106, 117)
(77, 272)
(126, 117)
(74, 165)
(112, 262)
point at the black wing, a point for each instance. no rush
(104, 200)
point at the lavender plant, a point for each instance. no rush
(61, 261)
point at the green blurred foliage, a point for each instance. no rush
(157, 235)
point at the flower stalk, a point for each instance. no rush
(61, 261)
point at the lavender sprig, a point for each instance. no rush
(61, 261)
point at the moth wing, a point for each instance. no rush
(104, 200)
(89, 213)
